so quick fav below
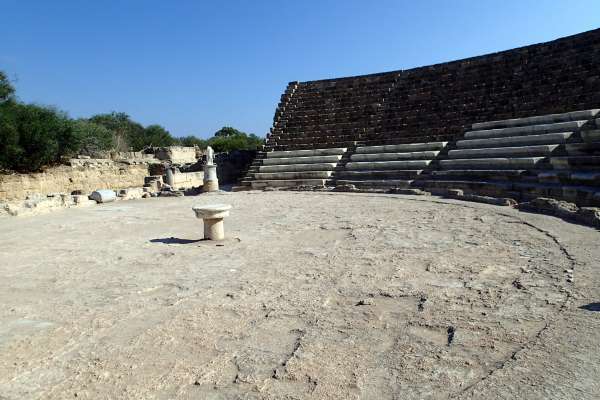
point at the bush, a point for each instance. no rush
(193, 141)
(35, 136)
(90, 137)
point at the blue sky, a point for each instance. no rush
(194, 66)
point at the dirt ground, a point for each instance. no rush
(312, 296)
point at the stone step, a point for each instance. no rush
(483, 174)
(570, 126)
(287, 183)
(548, 138)
(298, 167)
(522, 151)
(307, 153)
(490, 188)
(493, 163)
(401, 148)
(592, 135)
(582, 178)
(381, 165)
(416, 155)
(575, 162)
(377, 183)
(302, 160)
(541, 119)
(583, 149)
(375, 174)
(262, 176)
(581, 195)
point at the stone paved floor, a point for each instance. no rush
(313, 295)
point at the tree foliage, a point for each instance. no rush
(6, 88)
(193, 141)
(33, 136)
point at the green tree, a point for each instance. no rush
(193, 141)
(36, 136)
(127, 133)
(6, 88)
(10, 150)
(228, 131)
(157, 136)
(90, 137)
(228, 139)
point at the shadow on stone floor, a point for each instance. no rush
(591, 307)
(174, 240)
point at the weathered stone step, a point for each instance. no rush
(380, 165)
(416, 155)
(267, 176)
(375, 174)
(522, 151)
(287, 183)
(575, 162)
(401, 148)
(492, 188)
(570, 126)
(581, 195)
(582, 149)
(540, 119)
(298, 167)
(483, 174)
(591, 135)
(302, 160)
(377, 183)
(493, 163)
(307, 153)
(584, 178)
(548, 138)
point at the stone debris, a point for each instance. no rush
(585, 215)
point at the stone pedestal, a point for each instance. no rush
(211, 183)
(212, 216)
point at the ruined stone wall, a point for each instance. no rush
(439, 102)
(177, 154)
(65, 179)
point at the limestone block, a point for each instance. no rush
(297, 167)
(549, 138)
(302, 160)
(398, 148)
(523, 151)
(131, 193)
(569, 126)
(306, 153)
(83, 201)
(589, 216)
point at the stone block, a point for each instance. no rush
(589, 216)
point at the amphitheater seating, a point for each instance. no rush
(295, 168)
(555, 155)
(389, 166)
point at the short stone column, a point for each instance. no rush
(213, 215)
(211, 182)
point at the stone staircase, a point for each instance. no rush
(372, 167)
(294, 168)
(555, 155)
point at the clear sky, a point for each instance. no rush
(194, 66)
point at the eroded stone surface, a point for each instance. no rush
(384, 297)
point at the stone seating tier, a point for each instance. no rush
(296, 168)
